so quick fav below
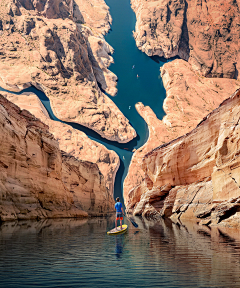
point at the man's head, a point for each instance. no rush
(118, 199)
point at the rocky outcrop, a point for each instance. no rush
(48, 44)
(37, 179)
(196, 175)
(135, 174)
(72, 141)
(159, 26)
(205, 33)
(189, 98)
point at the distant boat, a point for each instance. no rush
(129, 107)
(133, 66)
(137, 76)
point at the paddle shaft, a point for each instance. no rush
(133, 223)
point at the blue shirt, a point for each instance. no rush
(118, 206)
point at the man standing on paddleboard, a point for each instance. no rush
(119, 212)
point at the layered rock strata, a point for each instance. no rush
(189, 98)
(71, 141)
(37, 179)
(48, 44)
(197, 175)
(205, 33)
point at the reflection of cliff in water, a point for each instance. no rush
(119, 245)
(161, 254)
(54, 226)
(210, 254)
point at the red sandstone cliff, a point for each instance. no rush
(189, 98)
(37, 179)
(48, 44)
(70, 140)
(195, 176)
(205, 33)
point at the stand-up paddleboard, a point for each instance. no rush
(118, 230)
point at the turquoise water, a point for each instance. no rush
(78, 253)
(147, 88)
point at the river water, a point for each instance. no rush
(78, 253)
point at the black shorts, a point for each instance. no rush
(119, 216)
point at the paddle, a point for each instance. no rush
(133, 223)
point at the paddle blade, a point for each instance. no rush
(133, 223)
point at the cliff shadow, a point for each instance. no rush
(184, 50)
(97, 70)
(77, 15)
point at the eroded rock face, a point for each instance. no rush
(37, 179)
(196, 175)
(47, 44)
(205, 33)
(71, 141)
(189, 98)
(159, 26)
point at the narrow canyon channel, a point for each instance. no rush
(147, 88)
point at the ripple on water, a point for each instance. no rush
(84, 256)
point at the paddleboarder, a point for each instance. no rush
(119, 212)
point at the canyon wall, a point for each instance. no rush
(195, 176)
(72, 141)
(37, 179)
(189, 98)
(58, 47)
(205, 33)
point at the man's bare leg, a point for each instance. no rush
(121, 224)
(116, 223)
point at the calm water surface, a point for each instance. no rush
(78, 253)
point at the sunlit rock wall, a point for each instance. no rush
(37, 179)
(189, 98)
(48, 44)
(195, 176)
(205, 33)
(72, 141)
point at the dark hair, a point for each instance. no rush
(118, 199)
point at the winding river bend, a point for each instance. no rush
(147, 88)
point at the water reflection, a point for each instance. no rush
(74, 253)
(119, 245)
